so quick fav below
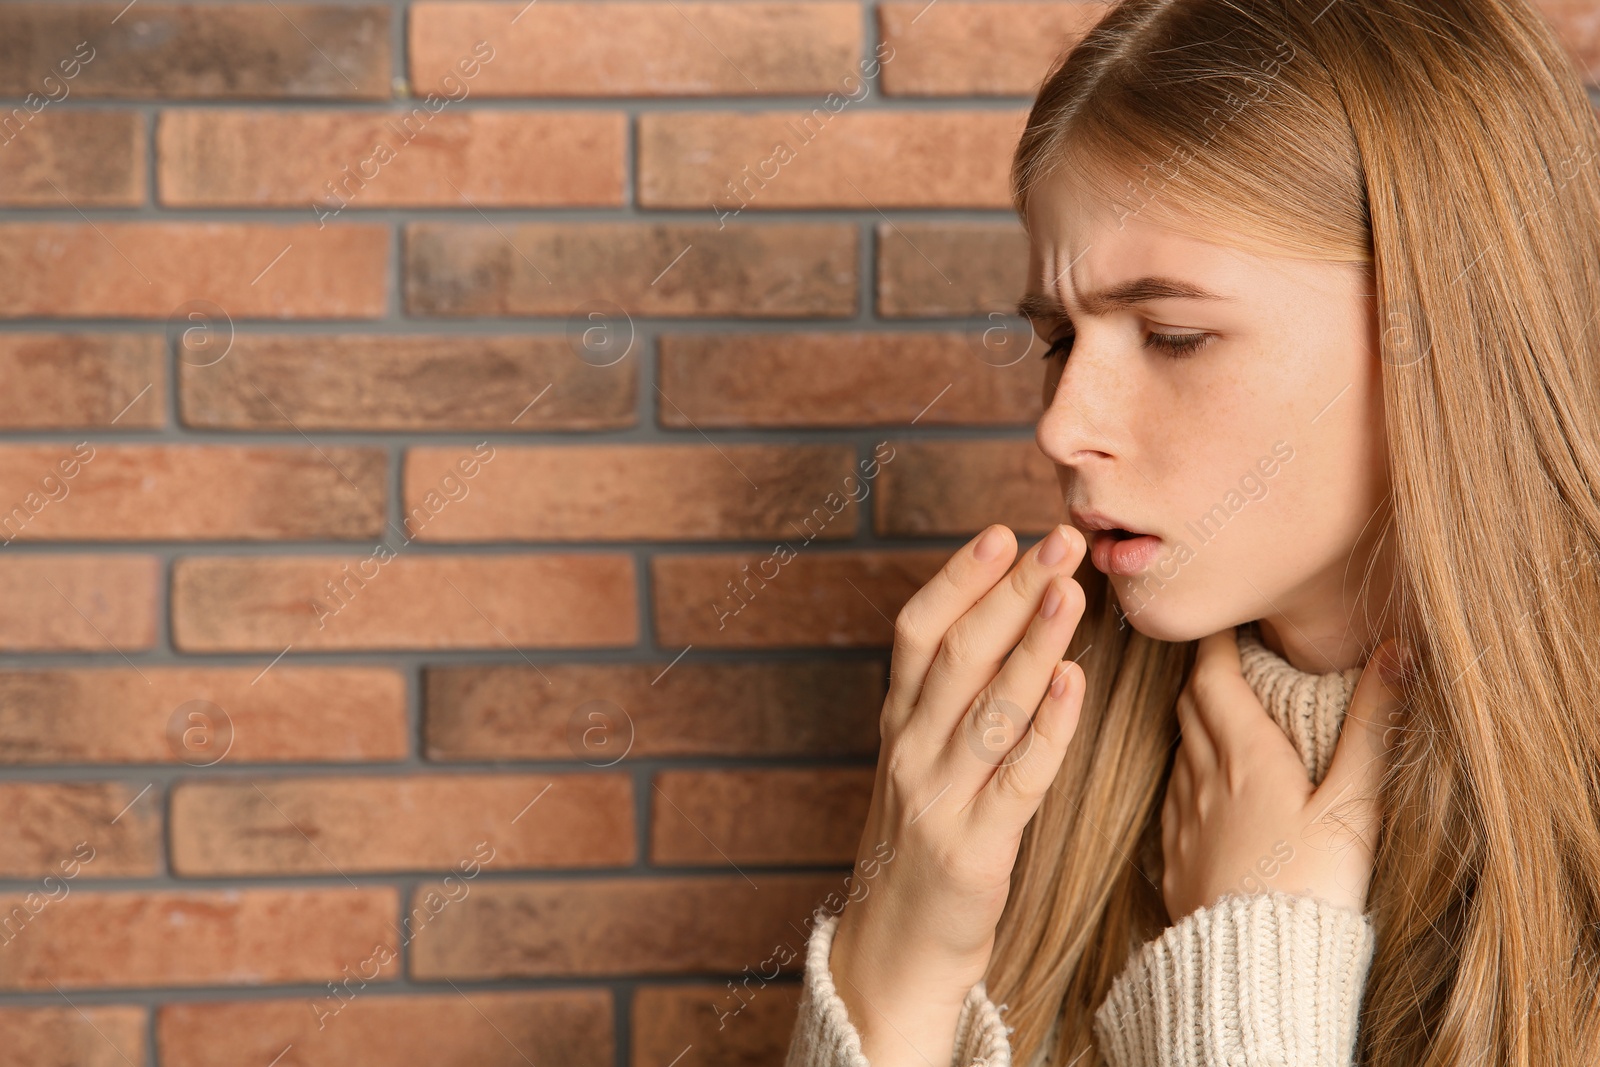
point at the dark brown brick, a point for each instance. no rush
(946, 269)
(621, 926)
(414, 823)
(732, 162)
(256, 715)
(799, 597)
(214, 51)
(374, 1029)
(65, 381)
(669, 269)
(956, 488)
(599, 712)
(406, 382)
(750, 1024)
(63, 159)
(850, 379)
(635, 492)
(758, 816)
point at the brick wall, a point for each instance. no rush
(400, 664)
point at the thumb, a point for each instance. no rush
(1348, 793)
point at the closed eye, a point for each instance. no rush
(1175, 345)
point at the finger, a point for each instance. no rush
(1181, 784)
(975, 647)
(1228, 710)
(1012, 795)
(998, 721)
(932, 610)
(1192, 734)
(1175, 809)
(1346, 799)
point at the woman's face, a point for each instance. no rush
(1254, 451)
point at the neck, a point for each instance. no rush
(1308, 706)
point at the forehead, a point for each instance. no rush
(1087, 255)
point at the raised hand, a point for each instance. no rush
(980, 710)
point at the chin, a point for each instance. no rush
(1165, 616)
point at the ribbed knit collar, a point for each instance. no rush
(1308, 707)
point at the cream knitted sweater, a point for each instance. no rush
(1260, 980)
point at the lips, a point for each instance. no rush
(1092, 522)
(1113, 547)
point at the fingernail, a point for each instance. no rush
(1054, 549)
(1052, 601)
(988, 546)
(1058, 688)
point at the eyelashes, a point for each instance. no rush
(1175, 345)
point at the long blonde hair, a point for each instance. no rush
(1447, 147)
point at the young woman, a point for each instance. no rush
(1297, 761)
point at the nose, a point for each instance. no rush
(1080, 405)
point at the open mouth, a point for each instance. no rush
(1122, 552)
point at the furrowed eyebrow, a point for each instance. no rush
(1115, 297)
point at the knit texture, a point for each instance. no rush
(1257, 980)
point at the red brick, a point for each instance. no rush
(214, 157)
(752, 1023)
(77, 830)
(88, 603)
(234, 603)
(417, 822)
(849, 379)
(798, 708)
(620, 926)
(282, 714)
(189, 492)
(632, 492)
(141, 939)
(936, 269)
(374, 1029)
(65, 159)
(956, 488)
(669, 269)
(64, 381)
(957, 48)
(151, 269)
(215, 51)
(406, 382)
(727, 162)
(1577, 24)
(642, 49)
(758, 816)
(85, 1035)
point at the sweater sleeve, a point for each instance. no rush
(824, 1036)
(1259, 980)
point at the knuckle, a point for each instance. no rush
(1008, 785)
(960, 645)
(906, 631)
(1021, 582)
